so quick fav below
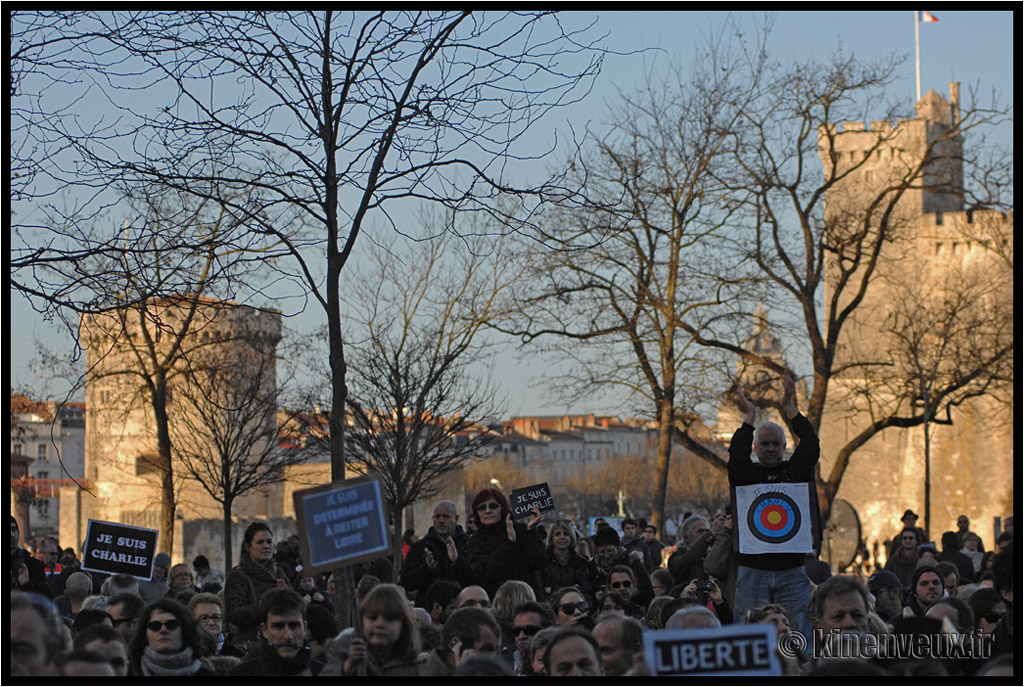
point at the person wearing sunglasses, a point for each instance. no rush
(528, 619)
(988, 608)
(502, 549)
(622, 583)
(166, 642)
(570, 607)
(611, 555)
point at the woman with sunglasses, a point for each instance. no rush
(502, 549)
(166, 642)
(989, 608)
(570, 608)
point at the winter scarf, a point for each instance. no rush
(181, 663)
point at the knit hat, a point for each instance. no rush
(921, 570)
(162, 559)
(883, 579)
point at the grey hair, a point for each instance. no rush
(688, 524)
(118, 584)
(770, 425)
(96, 602)
(676, 621)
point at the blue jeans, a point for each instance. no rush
(789, 588)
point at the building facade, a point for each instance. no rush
(51, 436)
(130, 354)
(940, 301)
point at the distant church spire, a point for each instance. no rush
(762, 341)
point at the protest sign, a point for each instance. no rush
(342, 523)
(729, 650)
(774, 518)
(524, 500)
(119, 549)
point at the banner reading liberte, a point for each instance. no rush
(342, 523)
(739, 650)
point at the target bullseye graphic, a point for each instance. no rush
(773, 517)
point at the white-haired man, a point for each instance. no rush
(773, 577)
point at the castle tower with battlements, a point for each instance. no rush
(936, 255)
(126, 350)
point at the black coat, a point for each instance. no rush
(36, 573)
(270, 663)
(493, 558)
(242, 594)
(687, 564)
(416, 575)
(799, 468)
(576, 571)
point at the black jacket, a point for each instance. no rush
(799, 468)
(687, 564)
(416, 575)
(576, 571)
(494, 559)
(270, 663)
(36, 573)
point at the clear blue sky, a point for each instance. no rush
(973, 47)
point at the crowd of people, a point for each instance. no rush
(490, 595)
(527, 599)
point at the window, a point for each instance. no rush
(41, 451)
(17, 448)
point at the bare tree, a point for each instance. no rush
(84, 239)
(947, 339)
(331, 119)
(817, 262)
(140, 344)
(632, 263)
(225, 424)
(418, 410)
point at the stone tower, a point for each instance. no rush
(933, 247)
(121, 440)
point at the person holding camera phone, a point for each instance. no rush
(711, 597)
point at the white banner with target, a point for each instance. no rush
(774, 518)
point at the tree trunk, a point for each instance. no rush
(927, 475)
(664, 457)
(227, 535)
(396, 541)
(344, 578)
(165, 466)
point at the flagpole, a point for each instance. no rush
(917, 51)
